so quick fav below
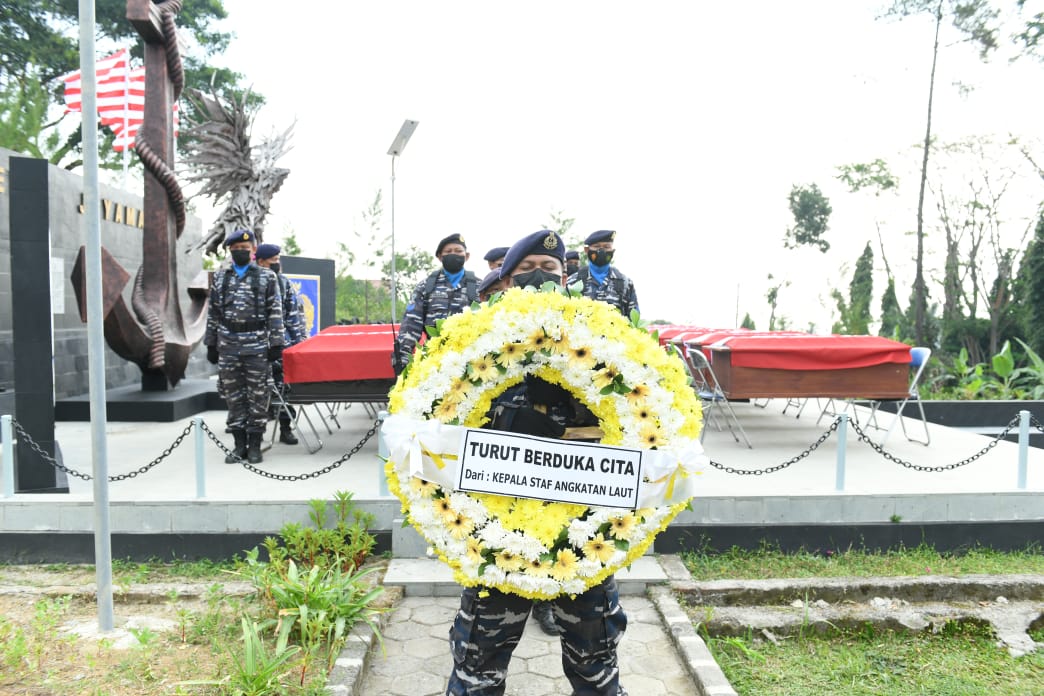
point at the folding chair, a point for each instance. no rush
(705, 384)
(295, 418)
(918, 360)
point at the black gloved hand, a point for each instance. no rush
(398, 364)
(529, 421)
(275, 353)
(212, 355)
(540, 391)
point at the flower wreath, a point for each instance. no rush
(639, 393)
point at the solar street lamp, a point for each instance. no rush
(397, 146)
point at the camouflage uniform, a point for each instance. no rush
(294, 331)
(487, 628)
(618, 290)
(244, 321)
(426, 307)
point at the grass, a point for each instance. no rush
(961, 661)
(770, 562)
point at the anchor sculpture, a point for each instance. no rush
(153, 332)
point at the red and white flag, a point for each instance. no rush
(109, 68)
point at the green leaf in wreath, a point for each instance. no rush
(622, 544)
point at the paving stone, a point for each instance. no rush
(402, 664)
(546, 665)
(417, 683)
(426, 647)
(530, 648)
(431, 615)
(533, 685)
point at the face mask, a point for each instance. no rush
(241, 257)
(453, 262)
(274, 267)
(600, 257)
(572, 268)
(535, 278)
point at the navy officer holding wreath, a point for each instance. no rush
(490, 623)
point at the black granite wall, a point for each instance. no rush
(122, 237)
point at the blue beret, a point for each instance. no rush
(495, 253)
(267, 251)
(491, 277)
(240, 236)
(544, 242)
(573, 254)
(600, 236)
(452, 239)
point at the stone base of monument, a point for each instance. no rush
(131, 403)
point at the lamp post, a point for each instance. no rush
(397, 146)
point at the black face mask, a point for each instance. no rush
(600, 257)
(572, 268)
(535, 278)
(274, 267)
(453, 262)
(241, 257)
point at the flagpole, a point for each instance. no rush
(95, 336)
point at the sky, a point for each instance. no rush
(681, 125)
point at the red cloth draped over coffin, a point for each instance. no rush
(795, 365)
(341, 363)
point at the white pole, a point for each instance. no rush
(6, 433)
(394, 315)
(1024, 423)
(95, 337)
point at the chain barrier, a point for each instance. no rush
(1036, 423)
(779, 467)
(24, 436)
(945, 467)
(287, 477)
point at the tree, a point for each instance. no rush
(747, 322)
(39, 43)
(773, 299)
(976, 21)
(855, 314)
(290, 246)
(891, 313)
(811, 211)
(1031, 289)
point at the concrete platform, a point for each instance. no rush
(882, 493)
(131, 404)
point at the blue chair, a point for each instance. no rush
(918, 360)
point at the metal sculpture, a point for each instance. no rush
(153, 332)
(221, 156)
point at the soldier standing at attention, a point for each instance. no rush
(294, 332)
(244, 335)
(601, 280)
(444, 293)
(490, 623)
(495, 257)
(572, 259)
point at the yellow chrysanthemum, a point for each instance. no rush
(599, 548)
(564, 567)
(511, 354)
(458, 389)
(483, 368)
(583, 357)
(638, 394)
(460, 526)
(605, 377)
(508, 561)
(445, 411)
(622, 526)
(444, 509)
(474, 549)
(538, 568)
(651, 436)
(537, 341)
(424, 489)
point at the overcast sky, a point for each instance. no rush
(682, 125)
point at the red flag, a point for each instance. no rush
(108, 68)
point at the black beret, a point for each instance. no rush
(452, 239)
(495, 253)
(600, 236)
(240, 236)
(544, 242)
(267, 251)
(491, 277)
(572, 254)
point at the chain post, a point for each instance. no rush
(842, 441)
(201, 475)
(382, 454)
(1024, 423)
(7, 433)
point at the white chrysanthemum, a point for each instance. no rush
(580, 531)
(586, 567)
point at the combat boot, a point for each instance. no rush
(286, 434)
(253, 453)
(239, 452)
(542, 613)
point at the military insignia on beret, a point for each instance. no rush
(460, 239)
(551, 242)
(246, 236)
(612, 236)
